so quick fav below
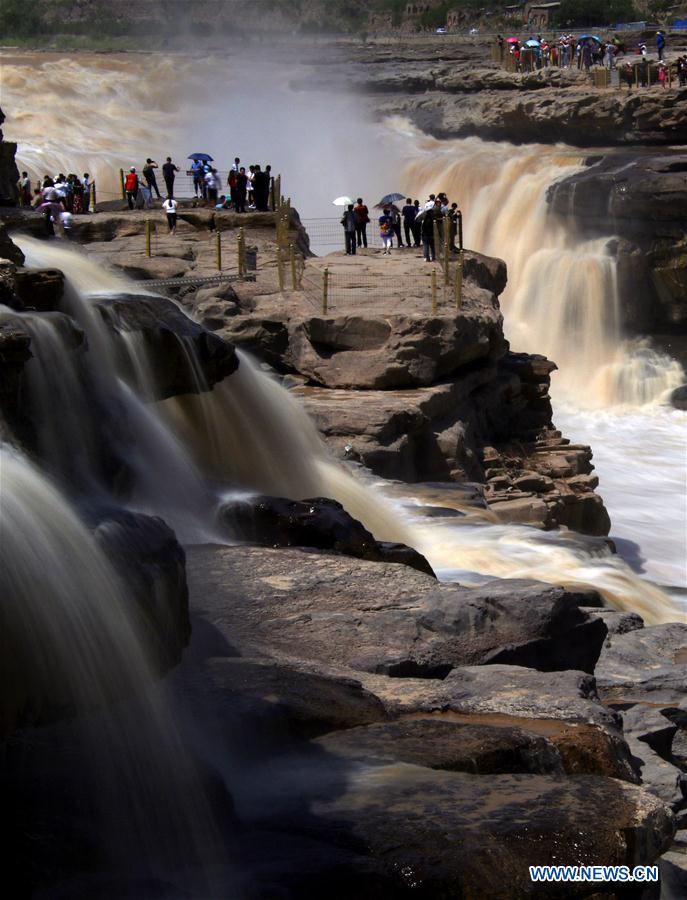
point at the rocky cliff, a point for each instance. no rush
(642, 200)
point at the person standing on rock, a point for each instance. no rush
(644, 71)
(131, 187)
(396, 220)
(428, 235)
(261, 189)
(240, 190)
(25, 190)
(87, 187)
(349, 221)
(409, 213)
(149, 175)
(417, 225)
(170, 207)
(169, 171)
(362, 217)
(386, 231)
(660, 44)
(212, 184)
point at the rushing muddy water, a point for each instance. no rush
(562, 297)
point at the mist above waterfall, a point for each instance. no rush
(123, 109)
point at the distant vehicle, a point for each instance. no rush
(441, 31)
(474, 31)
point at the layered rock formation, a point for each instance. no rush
(415, 758)
(641, 200)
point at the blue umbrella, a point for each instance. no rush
(590, 37)
(532, 43)
(205, 157)
(391, 198)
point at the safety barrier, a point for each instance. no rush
(428, 291)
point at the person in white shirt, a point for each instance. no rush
(430, 203)
(213, 184)
(170, 208)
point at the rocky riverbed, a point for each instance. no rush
(420, 738)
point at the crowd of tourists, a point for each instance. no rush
(58, 198)
(418, 223)
(569, 51)
(247, 188)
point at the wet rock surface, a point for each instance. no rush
(167, 340)
(641, 199)
(320, 523)
(432, 785)
(383, 618)
(151, 562)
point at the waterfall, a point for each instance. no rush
(562, 294)
(71, 643)
(250, 435)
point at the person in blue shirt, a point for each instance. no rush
(660, 43)
(198, 175)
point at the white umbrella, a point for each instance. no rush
(343, 201)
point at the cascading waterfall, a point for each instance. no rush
(246, 435)
(249, 435)
(71, 643)
(562, 300)
(562, 295)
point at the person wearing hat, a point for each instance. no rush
(660, 43)
(131, 187)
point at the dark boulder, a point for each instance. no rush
(443, 744)
(151, 563)
(278, 700)
(678, 398)
(184, 357)
(40, 289)
(8, 249)
(436, 834)
(320, 523)
(388, 619)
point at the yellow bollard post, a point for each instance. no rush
(292, 256)
(243, 268)
(218, 248)
(435, 233)
(280, 269)
(148, 252)
(434, 292)
(271, 201)
(459, 282)
(121, 181)
(325, 291)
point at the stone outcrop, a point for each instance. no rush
(336, 611)
(151, 562)
(15, 352)
(491, 425)
(640, 199)
(9, 176)
(643, 673)
(168, 341)
(320, 523)
(404, 769)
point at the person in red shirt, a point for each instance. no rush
(131, 187)
(362, 217)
